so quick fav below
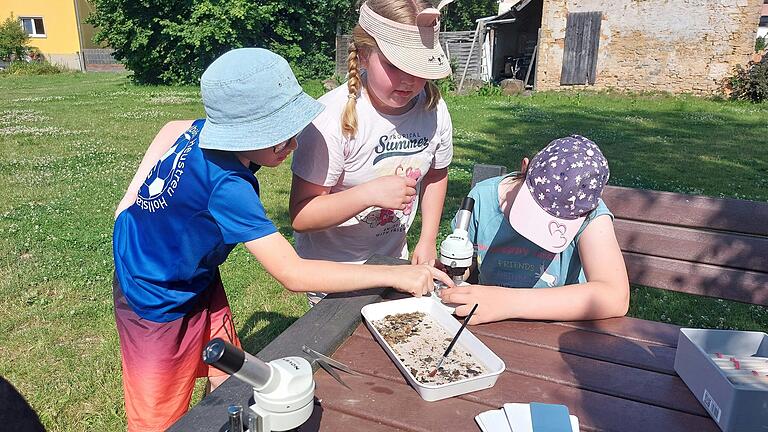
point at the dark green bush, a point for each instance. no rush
(461, 15)
(750, 83)
(173, 41)
(489, 89)
(761, 43)
(449, 83)
(31, 68)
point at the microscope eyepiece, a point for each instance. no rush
(468, 203)
(223, 355)
(228, 358)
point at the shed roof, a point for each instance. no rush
(510, 15)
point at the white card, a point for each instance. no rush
(493, 421)
(519, 418)
(574, 423)
(480, 423)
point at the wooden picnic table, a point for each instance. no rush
(615, 375)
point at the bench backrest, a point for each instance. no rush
(694, 244)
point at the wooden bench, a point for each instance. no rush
(687, 243)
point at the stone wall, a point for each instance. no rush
(680, 46)
(68, 61)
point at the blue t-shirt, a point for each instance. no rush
(506, 258)
(195, 206)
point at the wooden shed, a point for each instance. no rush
(512, 40)
(681, 46)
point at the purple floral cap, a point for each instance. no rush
(563, 184)
(567, 177)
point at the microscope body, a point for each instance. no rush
(286, 401)
(457, 250)
(283, 389)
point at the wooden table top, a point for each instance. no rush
(615, 375)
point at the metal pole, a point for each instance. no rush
(536, 66)
(530, 65)
(81, 54)
(469, 58)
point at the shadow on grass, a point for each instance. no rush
(641, 139)
(254, 340)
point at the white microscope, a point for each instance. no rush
(283, 389)
(456, 250)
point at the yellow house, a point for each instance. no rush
(56, 27)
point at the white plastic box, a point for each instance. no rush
(468, 341)
(734, 407)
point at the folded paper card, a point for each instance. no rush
(549, 418)
(493, 421)
(517, 417)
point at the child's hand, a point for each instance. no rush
(493, 302)
(424, 253)
(391, 192)
(417, 280)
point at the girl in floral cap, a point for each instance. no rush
(545, 227)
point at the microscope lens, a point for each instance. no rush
(213, 351)
(223, 356)
(468, 204)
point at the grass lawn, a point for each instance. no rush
(69, 144)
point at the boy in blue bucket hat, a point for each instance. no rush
(192, 200)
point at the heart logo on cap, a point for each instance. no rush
(557, 231)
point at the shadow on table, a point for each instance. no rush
(620, 381)
(580, 403)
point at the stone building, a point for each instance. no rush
(680, 46)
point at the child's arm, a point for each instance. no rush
(434, 185)
(162, 142)
(301, 275)
(314, 208)
(604, 295)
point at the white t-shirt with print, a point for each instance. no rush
(408, 145)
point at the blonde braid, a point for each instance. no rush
(433, 95)
(349, 116)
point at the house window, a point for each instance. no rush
(33, 26)
(764, 21)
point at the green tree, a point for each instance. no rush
(461, 14)
(13, 40)
(173, 41)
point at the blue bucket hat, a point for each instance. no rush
(252, 101)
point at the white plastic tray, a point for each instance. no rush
(433, 392)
